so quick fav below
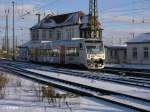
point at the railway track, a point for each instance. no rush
(127, 72)
(128, 80)
(113, 97)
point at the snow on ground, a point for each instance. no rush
(20, 95)
(134, 66)
(129, 90)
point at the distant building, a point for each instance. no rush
(116, 54)
(138, 49)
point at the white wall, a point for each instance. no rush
(73, 30)
(120, 58)
(140, 53)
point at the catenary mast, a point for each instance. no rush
(94, 30)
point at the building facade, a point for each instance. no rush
(138, 49)
(62, 27)
(116, 54)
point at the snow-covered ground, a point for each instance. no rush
(134, 66)
(20, 95)
(125, 89)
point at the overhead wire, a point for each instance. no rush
(122, 12)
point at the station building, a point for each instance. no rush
(116, 54)
(138, 49)
(62, 27)
(58, 28)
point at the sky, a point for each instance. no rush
(120, 19)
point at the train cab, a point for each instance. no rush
(95, 54)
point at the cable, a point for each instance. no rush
(124, 5)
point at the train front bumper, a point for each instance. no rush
(95, 63)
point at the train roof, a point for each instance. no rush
(34, 44)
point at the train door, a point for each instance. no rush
(62, 54)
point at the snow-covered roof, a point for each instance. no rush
(116, 46)
(63, 20)
(59, 20)
(142, 38)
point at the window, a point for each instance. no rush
(134, 53)
(55, 52)
(50, 52)
(83, 34)
(111, 53)
(125, 54)
(70, 33)
(58, 35)
(34, 34)
(37, 34)
(50, 34)
(72, 52)
(146, 53)
(93, 48)
(116, 54)
(44, 34)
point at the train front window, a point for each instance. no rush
(94, 48)
(91, 49)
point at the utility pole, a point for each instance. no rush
(6, 32)
(13, 30)
(16, 42)
(3, 43)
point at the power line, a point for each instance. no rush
(124, 5)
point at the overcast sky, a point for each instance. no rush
(116, 16)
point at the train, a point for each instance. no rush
(77, 51)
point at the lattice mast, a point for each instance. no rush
(93, 18)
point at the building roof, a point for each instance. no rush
(142, 38)
(116, 46)
(63, 20)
